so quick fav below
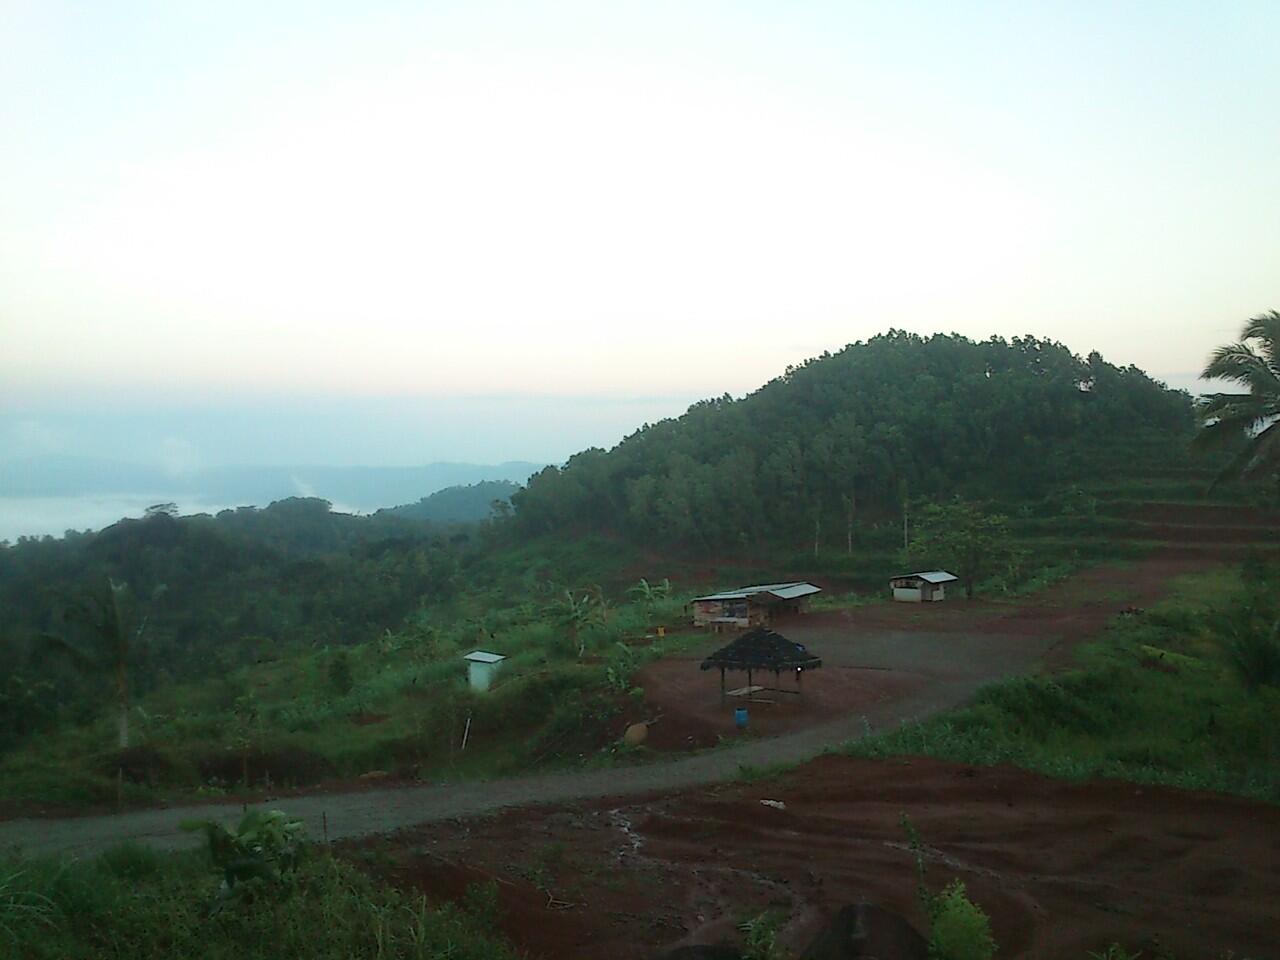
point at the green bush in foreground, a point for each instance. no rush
(958, 928)
(132, 904)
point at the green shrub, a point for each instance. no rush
(760, 936)
(341, 676)
(1251, 643)
(958, 927)
(263, 851)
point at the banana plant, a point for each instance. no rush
(102, 616)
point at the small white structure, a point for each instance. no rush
(481, 666)
(922, 587)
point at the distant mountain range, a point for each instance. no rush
(359, 488)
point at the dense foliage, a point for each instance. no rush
(132, 903)
(462, 504)
(208, 594)
(861, 430)
(1248, 422)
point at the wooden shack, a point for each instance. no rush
(926, 587)
(752, 606)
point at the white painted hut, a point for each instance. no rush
(922, 587)
(481, 667)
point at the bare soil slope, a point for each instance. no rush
(1061, 868)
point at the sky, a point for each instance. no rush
(379, 232)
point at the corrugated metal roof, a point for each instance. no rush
(783, 591)
(929, 576)
(484, 656)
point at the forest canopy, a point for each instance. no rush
(897, 416)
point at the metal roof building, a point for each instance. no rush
(924, 587)
(751, 606)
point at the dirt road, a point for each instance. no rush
(955, 667)
(948, 651)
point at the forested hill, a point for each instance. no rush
(899, 415)
(462, 504)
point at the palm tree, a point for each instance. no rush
(1254, 416)
(102, 615)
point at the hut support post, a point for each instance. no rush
(722, 684)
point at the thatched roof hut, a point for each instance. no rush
(762, 649)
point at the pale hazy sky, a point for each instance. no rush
(393, 232)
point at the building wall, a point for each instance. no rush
(717, 611)
(480, 675)
(907, 594)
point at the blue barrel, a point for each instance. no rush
(740, 717)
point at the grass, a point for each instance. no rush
(135, 904)
(400, 709)
(1152, 701)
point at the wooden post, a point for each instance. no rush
(722, 684)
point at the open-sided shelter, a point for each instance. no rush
(922, 587)
(750, 606)
(762, 649)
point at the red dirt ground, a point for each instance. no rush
(1061, 868)
(880, 654)
(694, 716)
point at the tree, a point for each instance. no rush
(1253, 417)
(102, 615)
(962, 538)
(574, 613)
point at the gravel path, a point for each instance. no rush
(953, 679)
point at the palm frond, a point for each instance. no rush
(1238, 363)
(1265, 328)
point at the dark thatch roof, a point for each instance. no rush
(762, 649)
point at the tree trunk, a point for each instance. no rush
(850, 508)
(817, 534)
(122, 707)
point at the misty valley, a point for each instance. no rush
(288, 696)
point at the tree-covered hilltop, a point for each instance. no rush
(900, 415)
(216, 592)
(471, 503)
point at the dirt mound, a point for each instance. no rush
(1061, 868)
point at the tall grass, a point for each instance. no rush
(137, 905)
(1154, 701)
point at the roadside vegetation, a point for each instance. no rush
(257, 892)
(396, 705)
(1186, 694)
